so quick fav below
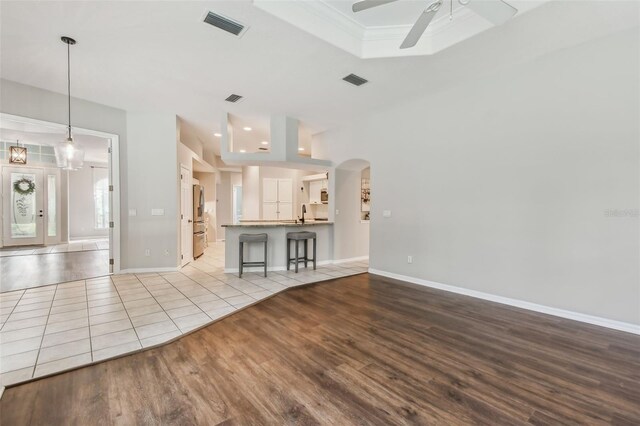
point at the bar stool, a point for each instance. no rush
(252, 238)
(300, 236)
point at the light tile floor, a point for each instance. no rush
(50, 329)
(72, 246)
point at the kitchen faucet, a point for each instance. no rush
(304, 210)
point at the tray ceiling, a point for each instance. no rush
(378, 32)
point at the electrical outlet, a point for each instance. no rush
(386, 213)
(166, 252)
(147, 252)
(409, 259)
(337, 211)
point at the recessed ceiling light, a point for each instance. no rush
(264, 143)
(247, 128)
(217, 135)
(243, 151)
(300, 149)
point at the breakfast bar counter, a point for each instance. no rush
(277, 243)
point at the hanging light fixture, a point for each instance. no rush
(17, 154)
(68, 155)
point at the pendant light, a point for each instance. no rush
(17, 154)
(68, 155)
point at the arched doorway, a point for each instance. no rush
(352, 210)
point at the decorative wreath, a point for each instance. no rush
(24, 186)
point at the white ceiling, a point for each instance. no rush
(155, 55)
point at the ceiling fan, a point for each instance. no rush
(495, 11)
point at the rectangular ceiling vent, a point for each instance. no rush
(356, 80)
(224, 23)
(233, 98)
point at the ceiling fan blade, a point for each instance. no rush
(421, 25)
(495, 11)
(368, 4)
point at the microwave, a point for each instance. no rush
(324, 196)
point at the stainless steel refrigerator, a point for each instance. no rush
(199, 238)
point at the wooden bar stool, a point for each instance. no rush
(300, 236)
(252, 238)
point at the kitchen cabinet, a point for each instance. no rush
(277, 199)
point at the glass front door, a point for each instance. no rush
(23, 206)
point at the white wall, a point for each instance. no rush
(153, 183)
(224, 204)
(82, 204)
(502, 184)
(251, 193)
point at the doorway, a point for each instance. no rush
(353, 211)
(237, 204)
(56, 225)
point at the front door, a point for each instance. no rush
(22, 205)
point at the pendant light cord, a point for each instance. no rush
(69, 85)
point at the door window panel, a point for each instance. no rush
(23, 205)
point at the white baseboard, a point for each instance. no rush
(351, 259)
(576, 316)
(147, 270)
(273, 268)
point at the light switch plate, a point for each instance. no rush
(386, 213)
(157, 212)
(133, 212)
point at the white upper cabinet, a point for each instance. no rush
(270, 190)
(315, 187)
(285, 191)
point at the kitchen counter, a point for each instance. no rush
(270, 224)
(277, 234)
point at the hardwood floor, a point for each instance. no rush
(357, 350)
(36, 270)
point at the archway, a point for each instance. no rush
(352, 210)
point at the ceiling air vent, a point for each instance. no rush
(225, 24)
(356, 80)
(233, 98)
